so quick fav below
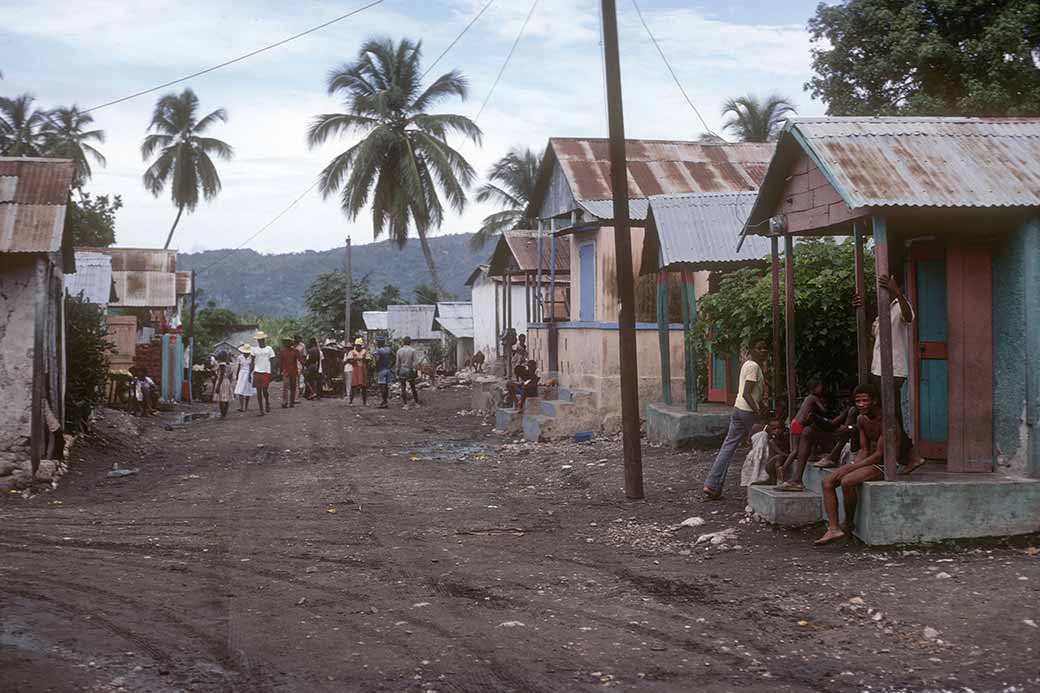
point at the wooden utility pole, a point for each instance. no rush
(349, 289)
(191, 338)
(863, 353)
(623, 254)
(774, 245)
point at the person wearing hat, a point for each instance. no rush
(355, 373)
(384, 356)
(244, 389)
(289, 361)
(262, 357)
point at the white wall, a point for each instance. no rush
(483, 297)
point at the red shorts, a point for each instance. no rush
(261, 379)
(796, 428)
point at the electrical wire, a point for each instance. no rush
(669, 66)
(504, 64)
(263, 228)
(461, 34)
(238, 59)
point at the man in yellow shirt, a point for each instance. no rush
(748, 407)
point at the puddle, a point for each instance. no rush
(451, 451)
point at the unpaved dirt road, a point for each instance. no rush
(336, 548)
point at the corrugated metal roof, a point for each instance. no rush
(145, 289)
(374, 319)
(604, 209)
(456, 318)
(411, 321)
(139, 259)
(700, 230)
(655, 167)
(33, 195)
(927, 162)
(521, 248)
(183, 283)
(93, 277)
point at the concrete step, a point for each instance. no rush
(785, 508)
(508, 420)
(539, 428)
(556, 407)
(576, 395)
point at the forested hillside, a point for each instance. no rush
(273, 285)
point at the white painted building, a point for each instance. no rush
(487, 296)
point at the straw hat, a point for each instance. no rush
(261, 335)
(359, 342)
(245, 348)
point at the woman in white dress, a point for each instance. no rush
(243, 385)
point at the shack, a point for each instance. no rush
(490, 304)
(952, 206)
(35, 253)
(455, 319)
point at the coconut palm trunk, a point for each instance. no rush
(176, 220)
(431, 265)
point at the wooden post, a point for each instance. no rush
(792, 375)
(191, 339)
(774, 243)
(689, 310)
(538, 281)
(888, 389)
(349, 296)
(1031, 230)
(509, 300)
(37, 424)
(527, 296)
(663, 336)
(863, 353)
(554, 335)
(623, 256)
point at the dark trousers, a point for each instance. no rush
(404, 392)
(224, 409)
(290, 383)
(364, 393)
(905, 443)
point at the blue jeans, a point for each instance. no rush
(740, 423)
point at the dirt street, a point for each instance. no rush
(336, 548)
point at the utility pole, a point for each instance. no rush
(623, 253)
(191, 337)
(346, 321)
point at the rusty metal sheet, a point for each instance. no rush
(145, 289)
(928, 162)
(139, 259)
(40, 181)
(33, 195)
(93, 278)
(31, 228)
(183, 283)
(604, 209)
(522, 248)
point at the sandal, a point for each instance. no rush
(790, 486)
(710, 495)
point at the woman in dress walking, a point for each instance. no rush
(243, 385)
(222, 387)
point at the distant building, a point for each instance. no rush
(455, 319)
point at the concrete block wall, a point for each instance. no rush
(17, 323)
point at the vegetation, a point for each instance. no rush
(326, 303)
(935, 57)
(825, 323)
(404, 163)
(93, 220)
(183, 160)
(426, 295)
(754, 119)
(511, 183)
(21, 125)
(65, 135)
(87, 352)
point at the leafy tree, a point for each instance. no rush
(325, 300)
(65, 136)
(825, 323)
(511, 183)
(184, 161)
(931, 57)
(754, 119)
(426, 295)
(87, 349)
(389, 296)
(211, 323)
(93, 219)
(21, 126)
(404, 163)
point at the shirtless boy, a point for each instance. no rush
(868, 466)
(805, 431)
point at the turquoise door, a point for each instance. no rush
(930, 356)
(587, 291)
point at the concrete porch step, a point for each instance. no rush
(538, 428)
(785, 508)
(511, 420)
(576, 395)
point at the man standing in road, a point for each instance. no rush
(261, 375)
(384, 368)
(407, 365)
(749, 406)
(290, 364)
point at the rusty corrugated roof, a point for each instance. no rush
(522, 248)
(655, 167)
(927, 162)
(183, 283)
(145, 289)
(139, 259)
(33, 195)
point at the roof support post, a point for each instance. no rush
(862, 345)
(1032, 347)
(623, 256)
(774, 243)
(789, 339)
(890, 426)
(663, 336)
(509, 319)
(37, 438)
(689, 309)
(538, 280)
(498, 323)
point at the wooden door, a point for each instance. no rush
(929, 378)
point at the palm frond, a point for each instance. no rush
(449, 84)
(210, 145)
(493, 225)
(328, 125)
(489, 192)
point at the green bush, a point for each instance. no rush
(86, 349)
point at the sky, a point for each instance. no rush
(89, 52)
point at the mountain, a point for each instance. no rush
(248, 282)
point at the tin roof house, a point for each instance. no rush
(573, 201)
(953, 209)
(35, 254)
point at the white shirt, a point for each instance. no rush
(751, 382)
(900, 343)
(262, 359)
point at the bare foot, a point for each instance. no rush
(791, 486)
(825, 463)
(914, 464)
(830, 537)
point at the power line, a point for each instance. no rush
(669, 66)
(461, 34)
(238, 59)
(263, 228)
(504, 64)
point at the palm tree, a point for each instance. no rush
(64, 136)
(404, 162)
(756, 120)
(20, 127)
(184, 154)
(511, 182)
